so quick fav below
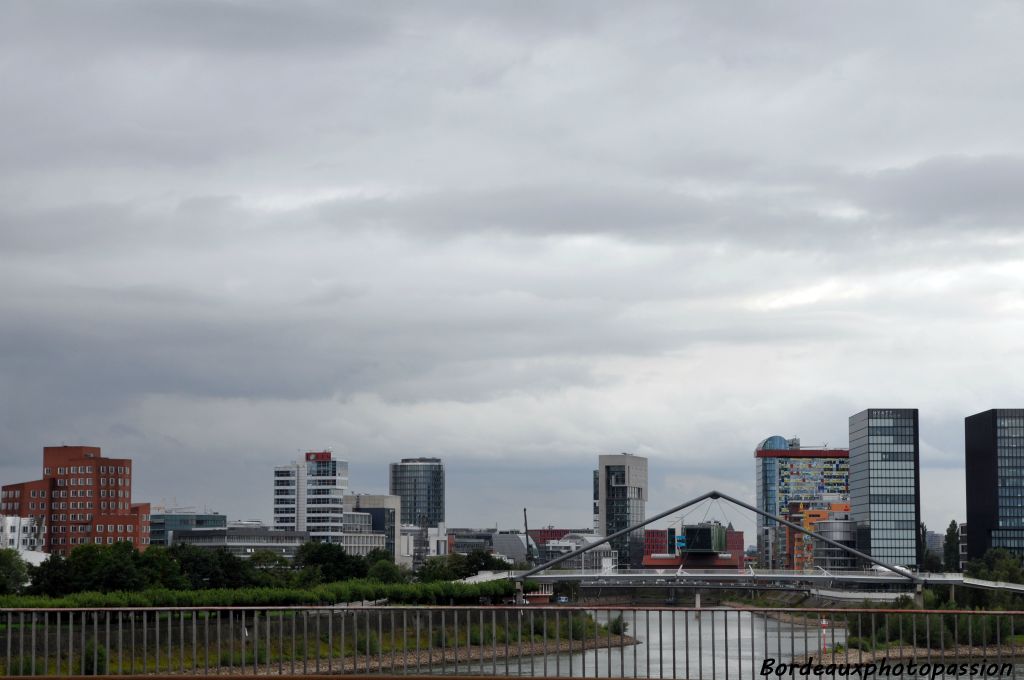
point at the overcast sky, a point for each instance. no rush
(513, 235)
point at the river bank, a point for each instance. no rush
(411, 659)
(897, 653)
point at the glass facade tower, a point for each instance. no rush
(419, 482)
(885, 485)
(994, 457)
(620, 501)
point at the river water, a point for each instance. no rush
(680, 644)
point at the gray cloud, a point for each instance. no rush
(511, 236)
(958, 191)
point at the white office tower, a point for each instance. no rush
(309, 495)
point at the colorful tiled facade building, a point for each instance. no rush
(787, 473)
(800, 548)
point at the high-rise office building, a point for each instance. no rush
(309, 496)
(994, 457)
(885, 485)
(82, 498)
(419, 482)
(817, 478)
(620, 501)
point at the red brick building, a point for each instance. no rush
(734, 540)
(82, 498)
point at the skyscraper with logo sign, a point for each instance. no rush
(309, 495)
(308, 492)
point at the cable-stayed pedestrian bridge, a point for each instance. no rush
(883, 578)
(772, 579)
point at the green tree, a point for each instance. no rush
(231, 571)
(478, 561)
(86, 565)
(121, 568)
(13, 572)
(951, 548)
(270, 569)
(335, 564)
(50, 578)
(385, 571)
(931, 562)
(200, 567)
(455, 566)
(998, 564)
(437, 569)
(459, 565)
(160, 570)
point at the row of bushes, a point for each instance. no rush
(937, 631)
(355, 590)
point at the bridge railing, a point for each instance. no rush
(725, 572)
(616, 641)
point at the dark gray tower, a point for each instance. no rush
(994, 461)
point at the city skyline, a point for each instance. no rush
(512, 237)
(741, 521)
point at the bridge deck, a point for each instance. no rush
(756, 577)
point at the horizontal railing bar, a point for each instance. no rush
(324, 676)
(535, 608)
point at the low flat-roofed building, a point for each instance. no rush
(601, 557)
(242, 541)
(418, 544)
(161, 523)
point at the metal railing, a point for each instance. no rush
(526, 641)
